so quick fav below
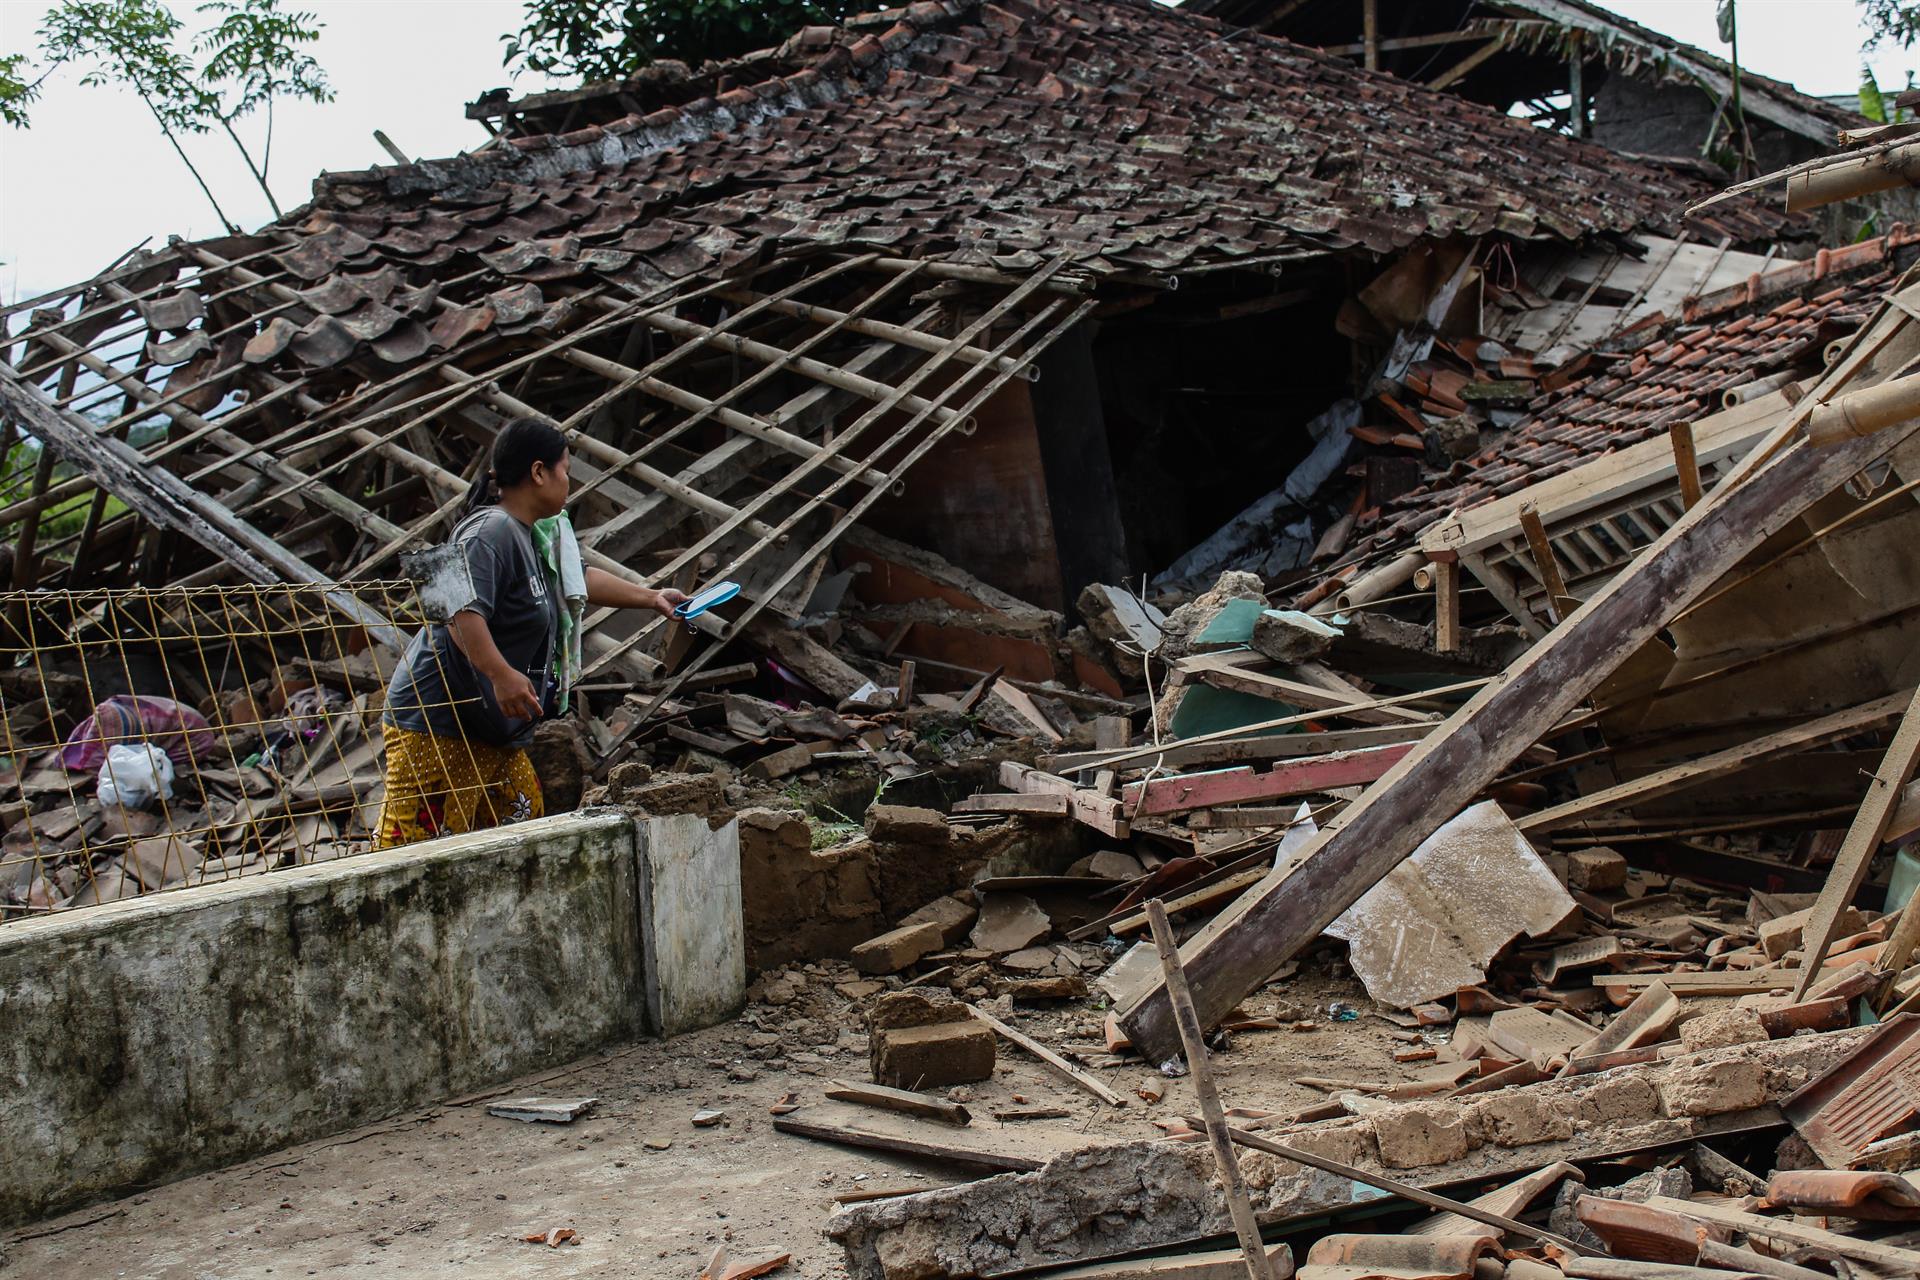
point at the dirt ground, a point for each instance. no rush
(449, 1190)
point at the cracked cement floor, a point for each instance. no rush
(449, 1190)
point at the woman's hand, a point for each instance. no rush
(515, 694)
(666, 600)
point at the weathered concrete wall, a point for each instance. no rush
(694, 952)
(145, 1040)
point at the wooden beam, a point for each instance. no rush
(1446, 605)
(1247, 731)
(1686, 463)
(1053, 1061)
(1242, 947)
(1403, 42)
(1792, 1231)
(1300, 777)
(1181, 754)
(1849, 869)
(1370, 33)
(1467, 64)
(1544, 562)
(1194, 1043)
(1719, 764)
(1232, 671)
(1406, 1191)
(1103, 813)
(168, 502)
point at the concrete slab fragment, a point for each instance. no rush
(1433, 924)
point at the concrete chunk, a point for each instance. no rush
(1712, 1088)
(1416, 1136)
(939, 1054)
(954, 915)
(1784, 933)
(895, 949)
(1286, 635)
(1009, 922)
(1596, 870)
(1725, 1027)
(905, 824)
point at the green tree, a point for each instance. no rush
(254, 57)
(253, 53)
(592, 40)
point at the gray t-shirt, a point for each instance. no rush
(435, 689)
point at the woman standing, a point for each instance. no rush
(463, 703)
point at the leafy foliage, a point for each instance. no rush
(253, 57)
(595, 40)
(1895, 20)
(16, 91)
(1873, 103)
(1876, 105)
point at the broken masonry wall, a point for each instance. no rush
(803, 903)
(981, 502)
(1672, 119)
(1113, 1199)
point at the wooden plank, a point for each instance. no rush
(1044, 804)
(1239, 950)
(1017, 1151)
(1214, 1264)
(1288, 778)
(1686, 463)
(1134, 754)
(1678, 777)
(167, 501)
(1793, 1231)
(904, 1101)
(1053, 1061)
(1467, 64)
(1717, 982)
(1231, 886)
(1608, 480)
(1545, 566)
(1184, 753)
(1406, 1191)
(1863, 840)
(1511, 1200)
(1229, 671)
(1103, 813)
(1446, 605)
(1193, 1042)
(1246, 818)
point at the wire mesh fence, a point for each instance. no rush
(155, 739)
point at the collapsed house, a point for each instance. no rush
(1519, 654)
(1626, 86)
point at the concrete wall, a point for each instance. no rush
(145, 1040)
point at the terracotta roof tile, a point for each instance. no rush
(1679, 374)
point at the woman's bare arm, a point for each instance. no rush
(615, 592)
(511, 689)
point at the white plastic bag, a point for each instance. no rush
(133, 777)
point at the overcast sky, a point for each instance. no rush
(93, 176)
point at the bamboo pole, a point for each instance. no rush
(1862, 413)
(1232, 1184)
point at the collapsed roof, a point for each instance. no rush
(1759, 334)
(1506, 51)
(756, 308)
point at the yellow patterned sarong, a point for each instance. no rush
(441, 786)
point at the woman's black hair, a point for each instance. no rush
(520, 444)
